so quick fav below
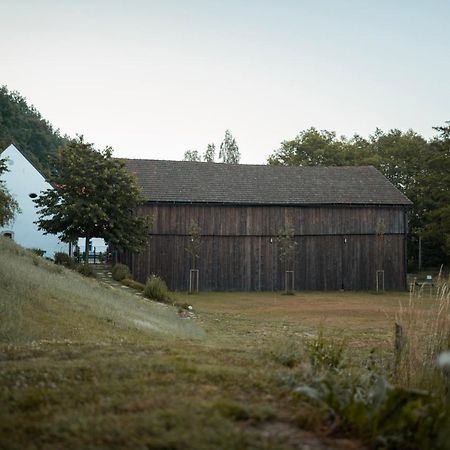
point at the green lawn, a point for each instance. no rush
(87, 366)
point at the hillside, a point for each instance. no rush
(22, 125)
(42, 301)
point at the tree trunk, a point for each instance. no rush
(86, 250)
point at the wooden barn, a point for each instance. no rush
(345, 227)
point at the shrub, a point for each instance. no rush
(64, 259)
(156, 289)
(85, 270)
(325, 352)
(120, 272)
(38, 251)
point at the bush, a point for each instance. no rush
(156, 289)
(64, 259)
(85, 270)
(120, 272)
(325, 352)
(38, 251)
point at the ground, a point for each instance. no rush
(221, 390)
(90, 364)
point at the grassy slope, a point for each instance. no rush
(84, 366)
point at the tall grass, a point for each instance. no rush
(425, 322)
(41, 300)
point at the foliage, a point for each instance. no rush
(156, 289)
(194, 242)
(85, 270)
(362, 402)
(210, 153)
(420, 169)
(229, 151)
(120, 272)
(192, 155)
(93, 196)
(384, 416)
(325, 353)
(22, 125)
(287, 246)
(437, 228)
(8, 205)
(64, 259)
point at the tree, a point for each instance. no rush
(8, 205)
(229, 151)
(437, 192)
(92, 196)
(192, 155)
(210, 153)
(194, 243)
(23, 125)
(287, 246)
(287, 252)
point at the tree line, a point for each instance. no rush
(228, 152)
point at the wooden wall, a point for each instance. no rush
(337, 247)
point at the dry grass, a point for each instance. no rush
(425, 321)
(39, 300)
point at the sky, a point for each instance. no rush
(153, 79)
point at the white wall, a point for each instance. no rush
(21, 181)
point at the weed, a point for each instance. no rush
(325, 352)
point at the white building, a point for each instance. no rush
(25, 183)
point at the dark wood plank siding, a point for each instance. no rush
(338, 247)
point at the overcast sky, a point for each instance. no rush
(156, 78)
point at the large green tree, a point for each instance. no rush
(437, 192)
(8, 205)
(93, 195)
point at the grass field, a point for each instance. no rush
(88, 366)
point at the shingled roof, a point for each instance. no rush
(200, 182)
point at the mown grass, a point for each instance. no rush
(87, 366)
